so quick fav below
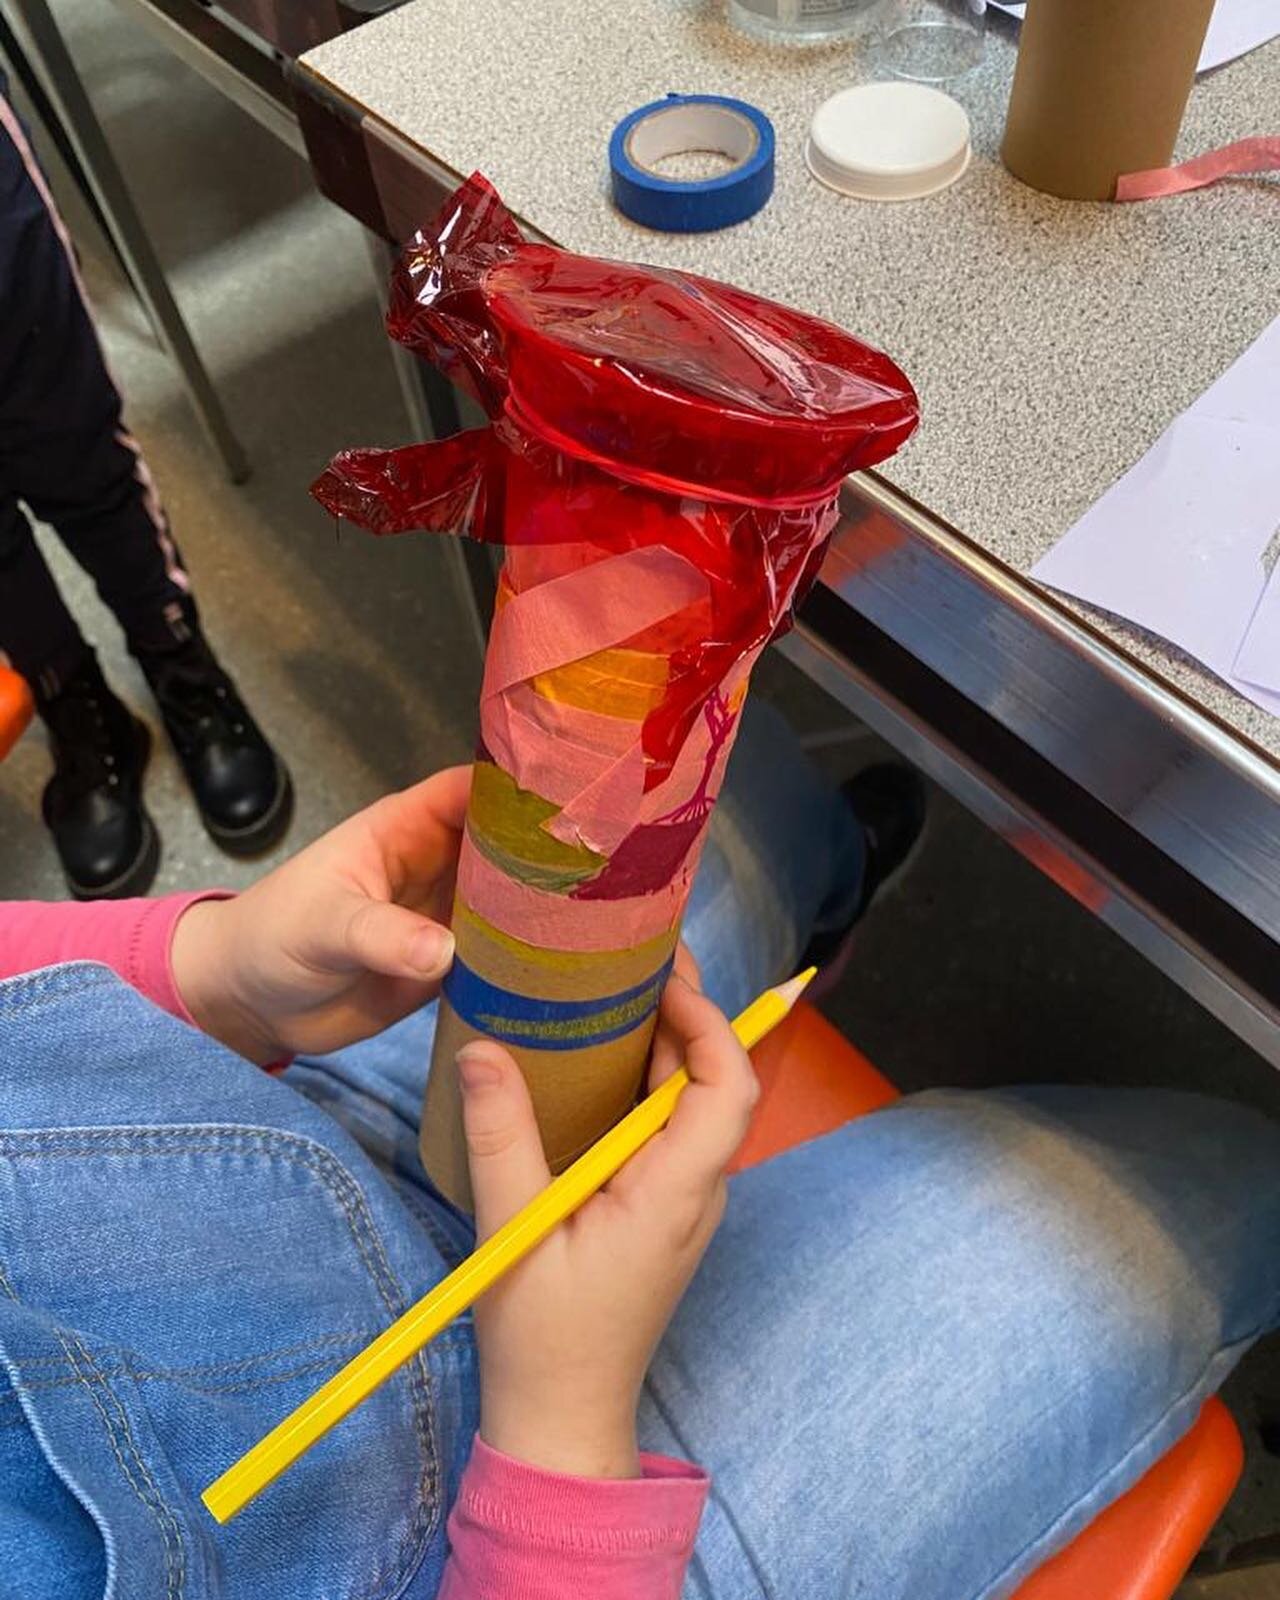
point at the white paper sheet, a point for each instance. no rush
(1182, 543)
(1236, 27)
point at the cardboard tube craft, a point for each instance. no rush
(661, 466)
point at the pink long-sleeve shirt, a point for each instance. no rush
(516, 1532)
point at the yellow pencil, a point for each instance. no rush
(280, 1448)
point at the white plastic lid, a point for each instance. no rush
(888, 141)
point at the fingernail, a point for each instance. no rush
(476, 1067)
(431, 950)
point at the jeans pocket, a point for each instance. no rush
(116, 1522)
(172, 1293)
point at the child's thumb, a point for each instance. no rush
(504, 1147)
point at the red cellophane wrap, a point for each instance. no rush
(670, 436)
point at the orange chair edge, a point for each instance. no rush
(812, 1081)
(16, 708)
(1141, 1546)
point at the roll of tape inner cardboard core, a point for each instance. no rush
(680, 125)
(694, 126)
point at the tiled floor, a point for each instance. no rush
(352, 655)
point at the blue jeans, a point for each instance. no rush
(920, 1354)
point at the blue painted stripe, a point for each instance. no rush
(520, 1019)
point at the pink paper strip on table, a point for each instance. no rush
(1236, 160)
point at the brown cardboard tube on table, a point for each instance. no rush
(1099, 90)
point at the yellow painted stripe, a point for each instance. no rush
(582, 964)
(547, 879)
(507, 821)
(615, 683)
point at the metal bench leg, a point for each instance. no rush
(432, 404)
(65, 90)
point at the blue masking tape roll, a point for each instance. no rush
(675, 126)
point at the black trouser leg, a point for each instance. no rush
(64, 449)
(37, 632)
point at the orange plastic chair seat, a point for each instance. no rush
(16, 709)
(814, 1081)
(1140, 1547)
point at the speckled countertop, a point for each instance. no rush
(1051, 342)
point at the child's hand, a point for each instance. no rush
(338, 943)
(565, 1338)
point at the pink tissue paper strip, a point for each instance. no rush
(1261, 154)
(592, 609)
(560, 923)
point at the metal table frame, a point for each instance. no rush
(1160, 821)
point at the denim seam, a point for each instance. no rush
(175, 1573)
(28, 990)
(413, 1201)
(422, 1524)
(215, 1367)
(193, 1383)
(208, 1138)
(1116, 1466)
(243, 1386)
(179, 1139)
(163, 1511)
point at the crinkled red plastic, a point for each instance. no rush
(630, 406)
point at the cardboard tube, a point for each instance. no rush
(662, 466)
(1099, 90)
(577, 1094)
(563, 947)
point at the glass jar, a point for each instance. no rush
(799, 21)
(928, 41)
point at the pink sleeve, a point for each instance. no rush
(518, 1533)
(132, 937)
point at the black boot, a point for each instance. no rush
(92, 805)
(889, 803)
(240, 784)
